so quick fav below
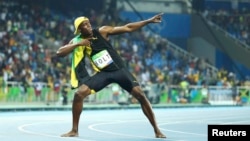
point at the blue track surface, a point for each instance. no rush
(179, 124)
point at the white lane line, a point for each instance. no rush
(204, 120)
(22, 129)
(236, 122)
(93, 127)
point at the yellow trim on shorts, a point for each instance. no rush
(92, 91)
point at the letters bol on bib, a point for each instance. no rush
(102, 59)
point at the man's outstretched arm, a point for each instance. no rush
(130, 27)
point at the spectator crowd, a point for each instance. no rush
(30, 34)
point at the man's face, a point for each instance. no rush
(85, 28)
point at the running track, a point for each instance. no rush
(179, 124)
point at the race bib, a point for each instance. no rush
(102, 59)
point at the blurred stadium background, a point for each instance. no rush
(199, 54)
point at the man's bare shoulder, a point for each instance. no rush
(105, 28)
(105, 31)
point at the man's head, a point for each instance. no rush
(77, 23)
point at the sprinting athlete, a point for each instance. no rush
(109, 66)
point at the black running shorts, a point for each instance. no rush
(102, 79)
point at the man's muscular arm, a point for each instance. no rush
(130, 27)
(68, 48)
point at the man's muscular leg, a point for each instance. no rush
(77, 107)
(147, 110)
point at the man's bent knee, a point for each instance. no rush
(82, 92)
